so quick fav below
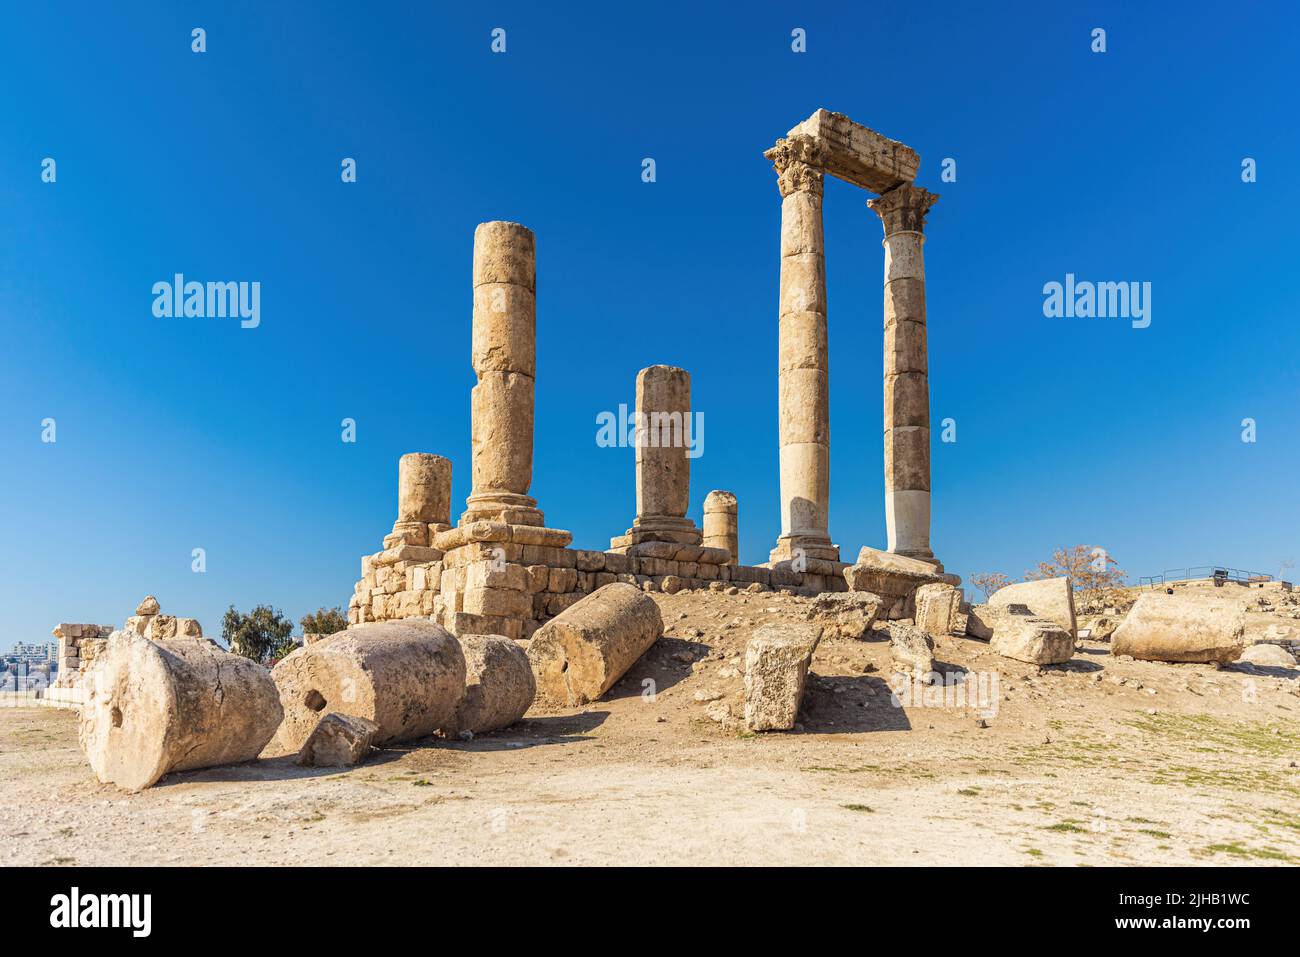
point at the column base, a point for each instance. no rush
(798, 545)
(657, 528)
(512, 508)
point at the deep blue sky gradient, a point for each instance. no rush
(183, 433)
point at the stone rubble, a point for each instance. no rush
(776, 671)
(339, 740)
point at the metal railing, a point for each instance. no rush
(1220, 574)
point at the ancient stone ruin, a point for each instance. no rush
(501, 570)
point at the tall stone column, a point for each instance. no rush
(663, 470)
(907, 379)
(803, 393)
(721, 521)
(505, 360)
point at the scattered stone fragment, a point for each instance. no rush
(340, 740)
(1182, 627)
(1050, 598)
(776, 670)
(845, 614)
(911, 648)
(1268, 656)
(938, 608)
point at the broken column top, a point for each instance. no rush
(859, 155)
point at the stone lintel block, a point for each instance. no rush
(859, 155)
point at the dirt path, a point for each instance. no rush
(1179, 764)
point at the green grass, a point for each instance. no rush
(969, 792)
(1258, 853)
(858, 807)
(1068, 827)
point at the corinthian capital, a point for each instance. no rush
(903, 208)
(799, 163)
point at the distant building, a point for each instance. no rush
(34, 652)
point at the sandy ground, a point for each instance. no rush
(1098, 762)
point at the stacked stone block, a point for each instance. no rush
(79, 646)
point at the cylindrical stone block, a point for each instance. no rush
(579, 654)
(721, 523)
(424, 488)
(153, 707)
(504, 357)
(663, 472)
(499, 684)
(501, 433)
(406, 676)
(805, 476)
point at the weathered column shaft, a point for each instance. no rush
(907, 383)
(424, 489)
(505, 360)
(721, 524)
(663, 472)
(803, 392)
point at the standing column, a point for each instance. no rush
(803, 394)
(907, 379)
(505, 360)
(663, 470)
(721, 524)
(423, 493)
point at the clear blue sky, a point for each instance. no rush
(175, 434)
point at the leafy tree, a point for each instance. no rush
(324, 621)
(1097, 578)
(989, 582)
(259, 635)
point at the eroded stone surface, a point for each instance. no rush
(578, 655)
(153, 707)
(339, 740)
(1182, 627)
(776, 671)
